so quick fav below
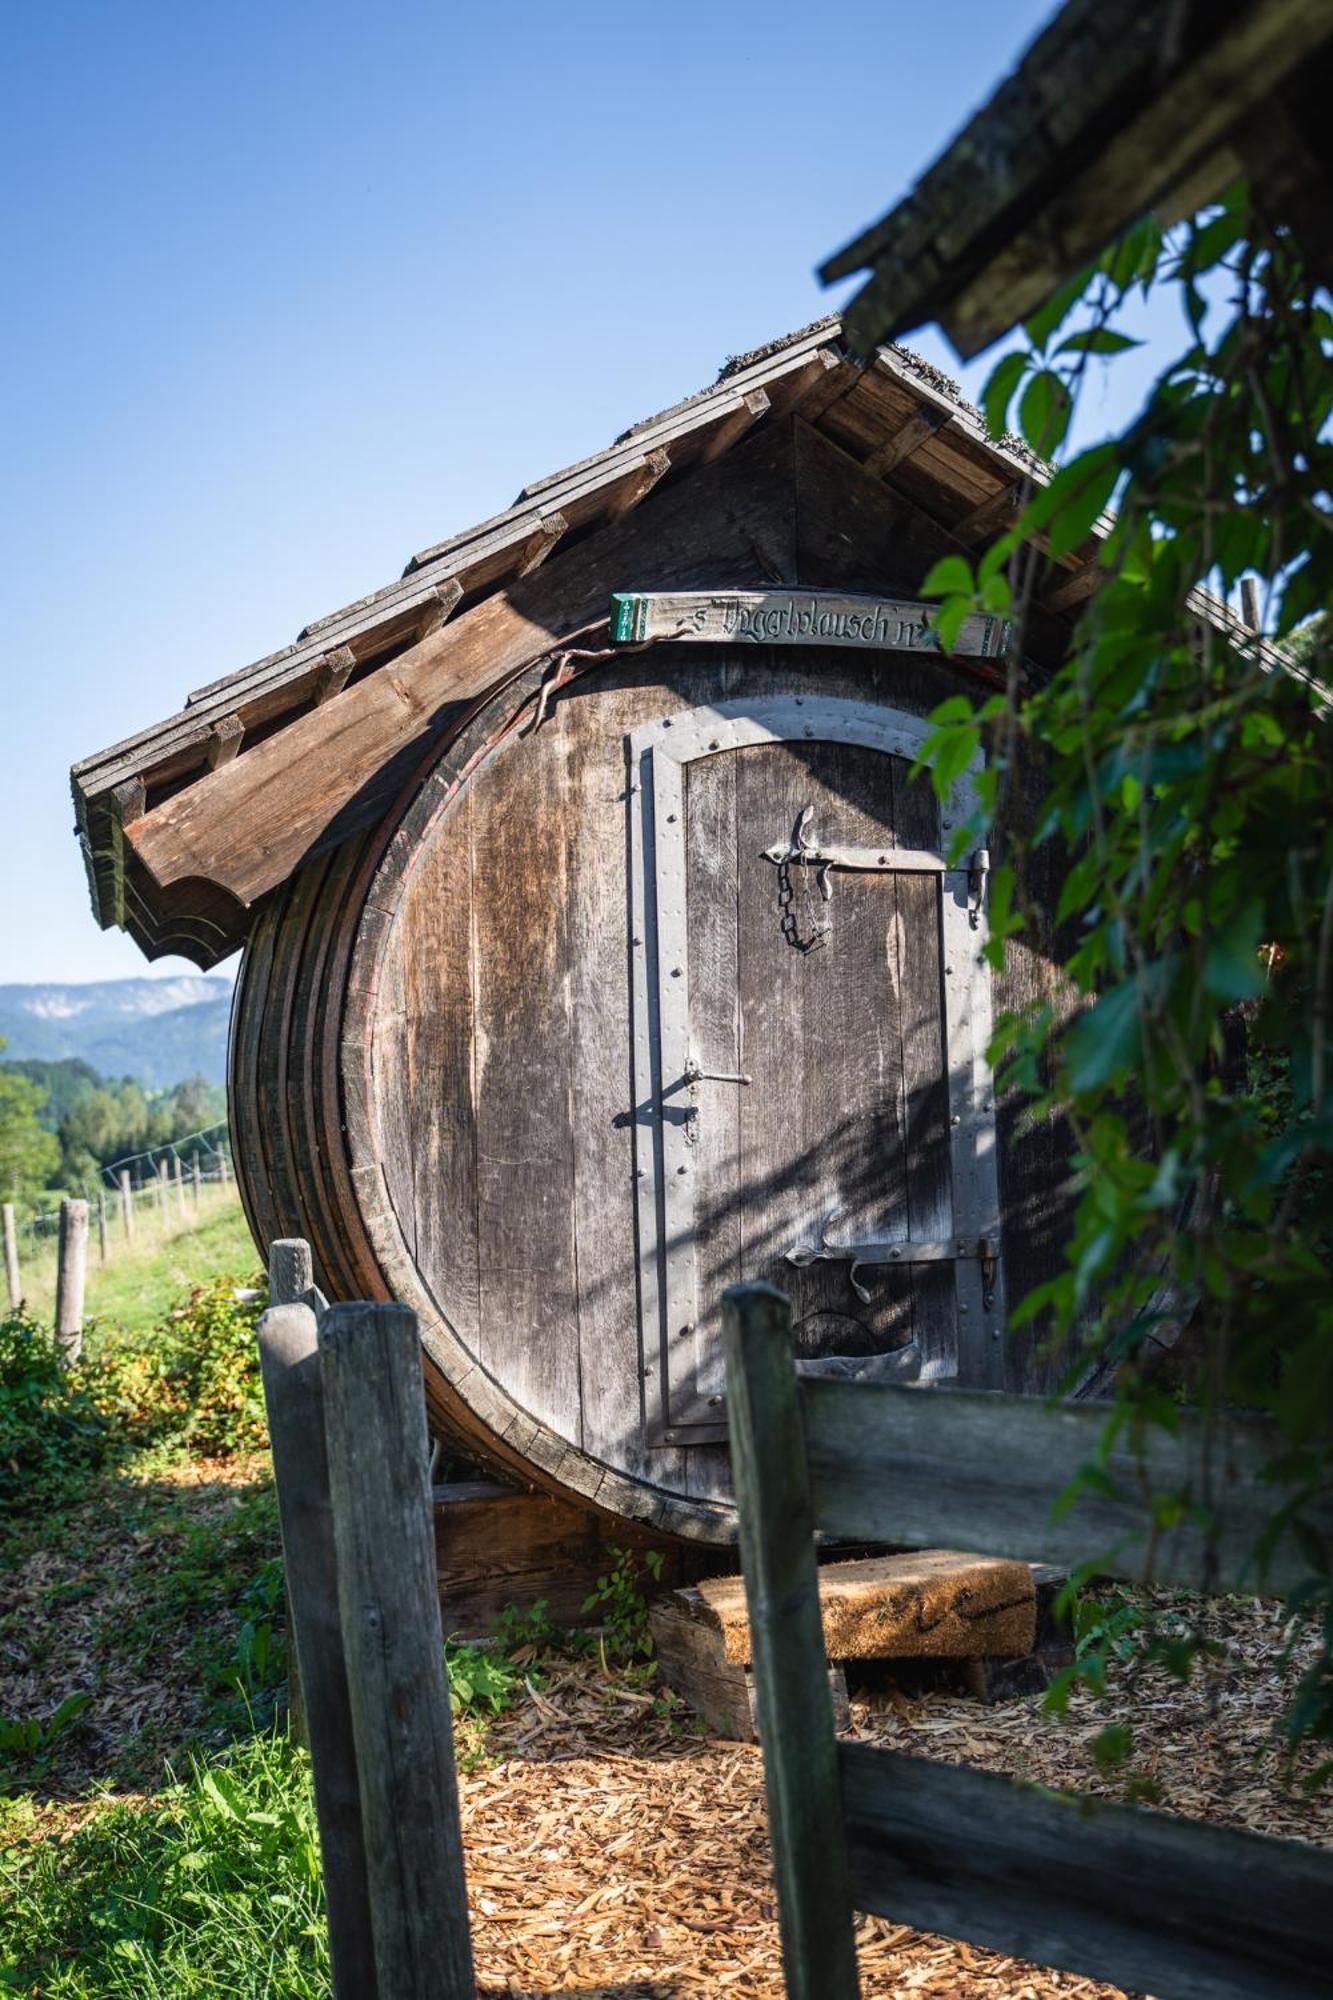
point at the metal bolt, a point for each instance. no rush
(676, 971)
(671, 819)
(715, 745)
(962, 1309)
(883, 860)
(715, 1402)
(955, 1120)
(666, 722)
(687, 1328)
(682, 1170)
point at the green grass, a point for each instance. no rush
(140, 1283)
(212, 1889)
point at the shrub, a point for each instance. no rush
(51, 1430)
(195, 1381)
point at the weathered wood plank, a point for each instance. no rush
(965, 1469)
(593, 725)
(247, 826)
(496, 1549)
(794, 618)
(1151, 1902)
(527, 1327)
(393, 1644)
(916, 972)
(791, 1682)
(294, 1400)
(691, 1661)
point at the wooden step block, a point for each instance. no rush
(934, 1604)
(692, 1663)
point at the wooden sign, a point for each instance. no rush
(794, 618)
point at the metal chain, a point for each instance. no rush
(791, 929)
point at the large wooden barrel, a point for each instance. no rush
(587, 1030)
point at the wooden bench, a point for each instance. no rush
(1153, 1902)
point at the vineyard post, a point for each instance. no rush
(71, 1274)
(12, 1259)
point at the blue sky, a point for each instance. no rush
(295, 290)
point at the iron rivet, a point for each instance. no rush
(682, 1170)
(666, 722)
(715, 745)
(808, 730)
(883, 860)
(714, 1402)
(687, 1328)
(962, 1309)
(955, 1120)
(671, 819)
(676, 971)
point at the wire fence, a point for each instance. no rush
(162, 1174)
(149, 1203)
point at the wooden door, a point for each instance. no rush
(810, 1022)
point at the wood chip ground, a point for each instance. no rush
(613, 1854)
(613, 1851)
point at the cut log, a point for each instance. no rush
(934, 1604)
(692, 1662)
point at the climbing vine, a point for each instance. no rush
(1183, 755)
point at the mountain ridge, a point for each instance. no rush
(159, 1031)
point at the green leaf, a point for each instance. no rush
(950, 619)
(1105, 1041)
(1079, 515)
(1044, 412)
(1056, 310)
(1232, 967)
(998, 393)
(1097, 340)
(951, 576)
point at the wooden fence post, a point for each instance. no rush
(291, 1281)
(393, 1643)
(101, 1226)
(178, 1175)
(194, 1179)
(12, 1278)
(776, 1520)
(126, 1204)
(222, 1165)
(162, 1170)
(289, 1359)
(71, 1272)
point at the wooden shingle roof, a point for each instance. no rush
(1119, 107)
(238, 763)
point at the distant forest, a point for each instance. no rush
(61, 1123)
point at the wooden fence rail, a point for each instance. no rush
(1187, 1911)
(348, 1424)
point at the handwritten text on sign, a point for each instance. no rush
(794, 618)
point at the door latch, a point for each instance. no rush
(976, 884)
(874, 1250)
(696, 1073)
